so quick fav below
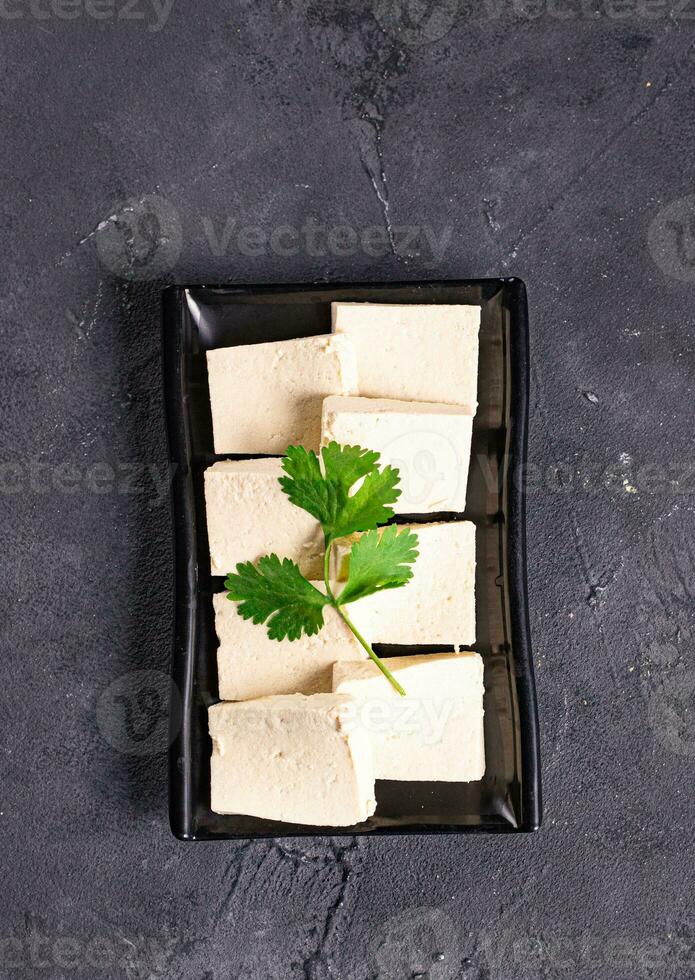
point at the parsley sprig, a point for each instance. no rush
(275, 591)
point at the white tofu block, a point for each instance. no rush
(251, 665)
(291, 758)
(424, 353)
(249, 516)
(437, 605)
(429, 444)
(435, 733)
(264, 397)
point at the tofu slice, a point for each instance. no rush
(425, 353)
(433, 734)
(264, 397)
(291, 758)
(437, 605)
(430, 444)
(251, 665)
(248, 516)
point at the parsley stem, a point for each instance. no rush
(377, 660)
(327, 570)
(351, 626)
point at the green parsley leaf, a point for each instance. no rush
(326, 495)
(276, 591)
(305, 486)
(345, 465)
(379, 560)
(369, 506)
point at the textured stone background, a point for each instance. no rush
(143, 144)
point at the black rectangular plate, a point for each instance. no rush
(508, 798)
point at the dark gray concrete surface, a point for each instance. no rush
(144, 144)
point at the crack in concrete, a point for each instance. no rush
(489, 207)
(604, 151)
(341, 854)
(236, 863)
(369, 130)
